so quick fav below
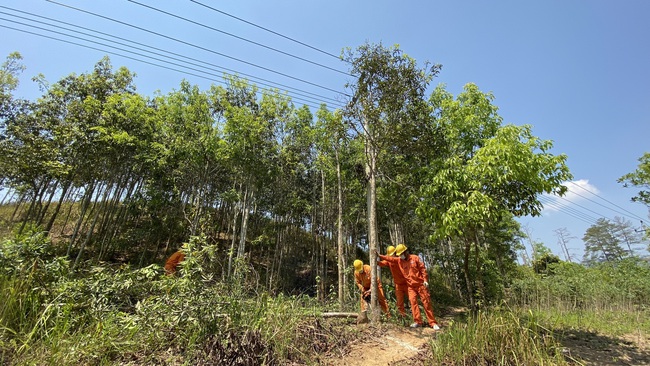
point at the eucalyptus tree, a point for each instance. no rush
(602, 243)
(194, 155)
(21, 137)
(331, 140)
(388, 95)
(291, 192)
(488, 170)
(629, 235)
(250, 145)
(10, 71)
(74, 108)
(128, 136)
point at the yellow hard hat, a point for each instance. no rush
(390, 250)
(358, 265)
(400, 249)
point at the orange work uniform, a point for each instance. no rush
(401, 286)
(363, 283)
(173, 261)
(416, 275)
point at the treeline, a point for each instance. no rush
(113, 175)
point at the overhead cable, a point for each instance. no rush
(238, 37)
(196, 46)
(604, 199)
(580, 216)
(131, 58)
(266, 29)
(215, 67)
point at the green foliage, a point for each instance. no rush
(602, 243)
(109, 314)
(640, 178)
(541, 263)
(496, 338)
(613, 285)
(27, 270)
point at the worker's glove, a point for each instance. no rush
(426, 284)
(366, 296)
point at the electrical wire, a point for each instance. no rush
(604, 199)
(197, 46)
(266, 29)
(264, 82)
(583, 207)
(128, 57)
(568, 210)
(238, 37)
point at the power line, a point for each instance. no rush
(583, 207)
(568, 210)
(129, 57)
(238, 37)
(266, 29)
(218, 68)
(196, 46)
(604, 199)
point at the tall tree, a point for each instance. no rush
(487, 170)
(331, 143)
(388, 95)
(602, 243)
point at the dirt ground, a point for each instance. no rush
(390, 344)
(385, 344)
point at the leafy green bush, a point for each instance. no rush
(114, 313)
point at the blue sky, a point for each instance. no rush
(575, 70)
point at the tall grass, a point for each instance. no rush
(497, 338)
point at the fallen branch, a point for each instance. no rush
(340, 315)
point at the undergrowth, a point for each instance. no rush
(110, 314)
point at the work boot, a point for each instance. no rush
(416, 325)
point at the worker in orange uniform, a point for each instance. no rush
(417, 280)
(362, 278)
(173, 261)
(401, 287)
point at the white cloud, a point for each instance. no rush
(577, 191)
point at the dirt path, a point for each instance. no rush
(386, 344)
(391, 344)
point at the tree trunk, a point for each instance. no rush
(90, 230)
(371, 160)
(9, 191)
(468, 283)
(339, 233)
(20, 200)
(84, 206)
(43, 212)
(248, 197)
(64, 191)
(396, 233)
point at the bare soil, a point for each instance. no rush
(391, 344)
(385, 344)
(589, 348)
